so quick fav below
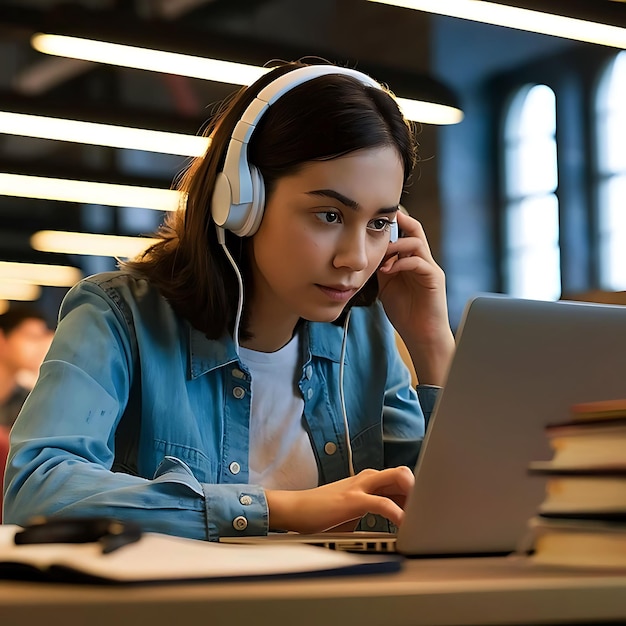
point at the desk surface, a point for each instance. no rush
(435, 592)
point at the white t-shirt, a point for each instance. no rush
(281, 455)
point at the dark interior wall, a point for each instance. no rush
(344, 31)
(454, 192)
(350, 31)
(467, 55)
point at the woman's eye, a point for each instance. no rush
(329, 217)
(380, 224)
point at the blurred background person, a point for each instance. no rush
(4, 453)
(24, 341)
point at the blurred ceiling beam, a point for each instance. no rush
(172, 9)
(44, 75)
(185, 38)
(46, 168)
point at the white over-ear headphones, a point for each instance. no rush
(239, 194)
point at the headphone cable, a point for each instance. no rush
(344, 344)
(221, 238)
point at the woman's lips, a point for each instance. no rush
(337, 293)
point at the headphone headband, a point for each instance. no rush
(239, 194)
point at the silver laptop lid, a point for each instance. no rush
(519, 365)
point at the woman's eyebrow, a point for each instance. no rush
(352, 204)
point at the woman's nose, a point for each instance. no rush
(351, 251)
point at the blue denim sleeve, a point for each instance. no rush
(405, 419)
(62, 444)
(403, 416)
(427, 395)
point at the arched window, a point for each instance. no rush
(532, 267)
(611, 172)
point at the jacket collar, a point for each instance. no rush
(206, 354)
(323, 339)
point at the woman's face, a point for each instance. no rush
(324, 232)
(26, 345)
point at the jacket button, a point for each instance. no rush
(237, 373)
(234, 468)
(308, 372)
(330, 448)
(309, 393)
(245, 500)
(239, 392)
(240, 523)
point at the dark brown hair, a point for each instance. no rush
(324, 118)
(18, 313)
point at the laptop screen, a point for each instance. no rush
(519, 365)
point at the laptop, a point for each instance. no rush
(519, 365)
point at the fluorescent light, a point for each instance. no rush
(89, 192)
(439, 114)
(521, 19)
(89, 244)
(198, 67)
(39, 274)
(102, 134)
(19, 291)
(146, 59)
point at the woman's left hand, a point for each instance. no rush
(412, 289)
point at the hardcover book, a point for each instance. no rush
(582, 518)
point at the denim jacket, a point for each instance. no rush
(137, 415)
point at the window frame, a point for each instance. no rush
(573, 76)
(601, 177)
(515, 140)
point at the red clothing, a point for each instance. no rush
(4, 451)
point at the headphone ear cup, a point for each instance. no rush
(239, 178)
(221, 201)
(257, 205)
(242, 219)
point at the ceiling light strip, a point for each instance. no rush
(91, 244)
(206, 69)
(521, 19)
(439, 114)
(102, 134)
(147, 59)
(19, 291)
(39, 274)
(87, 192)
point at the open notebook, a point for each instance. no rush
(519, 365)
(154, 557)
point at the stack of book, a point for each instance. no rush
(582, 519)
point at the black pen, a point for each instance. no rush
(110, 533)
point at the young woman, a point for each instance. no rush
(202, 405)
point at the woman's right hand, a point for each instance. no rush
(382, 492)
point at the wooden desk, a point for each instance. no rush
(433, 592)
